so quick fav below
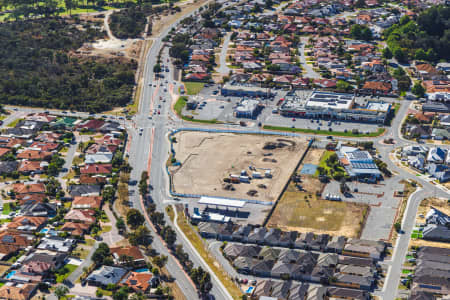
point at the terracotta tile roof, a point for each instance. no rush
(36, 267)
(30, 198)
(14, 238)
(96, 169)
(92, 124)
(138, 281)
(21, 188)
(34, 154)
(377, 85)
(84, 216)
(87, 202)
(108, 140)
(132, 251)
(22, 292)
(30, 166)
(15, 141)
(27, 220)
(3, 151)
(427, 68)
(48, 137)
(88, 179)
(75, 228)
(200, 57)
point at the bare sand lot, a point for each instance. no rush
(304, 212)
(207, 158)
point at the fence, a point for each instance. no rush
(311, 142)
(262, 132)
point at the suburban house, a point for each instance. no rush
(106, 275)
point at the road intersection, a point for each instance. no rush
(148, 150)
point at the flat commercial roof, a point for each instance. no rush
(222, 202)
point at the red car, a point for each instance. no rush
(159, 112)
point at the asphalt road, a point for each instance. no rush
(150, 150)
(223, 68)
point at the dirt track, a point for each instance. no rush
(208, 158)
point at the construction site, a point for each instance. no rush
(241, 166)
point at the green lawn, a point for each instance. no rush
(418, 235)
(14, 123)
(68, 270)
(193, 88)
(379, 132)
(105, 229)
(104, 292)
(323, 164)
(6, 208)
(404, 271)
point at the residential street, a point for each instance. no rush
(223, 68)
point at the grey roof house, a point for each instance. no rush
(106, 275)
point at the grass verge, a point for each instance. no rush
(6, 208)
(14, 123)
(379, 132)
(197, 242)
(193, 88)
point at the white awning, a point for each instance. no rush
(221, 202)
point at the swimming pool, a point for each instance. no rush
(250, 290)
(142, 270)
(44, 230)
(10, 274)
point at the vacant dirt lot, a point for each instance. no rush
(207, 158)
(304, 212)
(313, 156)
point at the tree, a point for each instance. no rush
(397, 226)
(108, 194)
(160, 260)
(120, 224)
(169, 236)
(420, 54)
(360, 3)
(101, 253)
(143, 186)
(342, 85)
(201, 279)
(52, 187)
(61, 291)
(157, 68)
(121, 294)
(70, 4)
(387, 53)
(361, 32)
(399, 55)
(418, 89)
(157, 218)
(141, 236)
(134, 218)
